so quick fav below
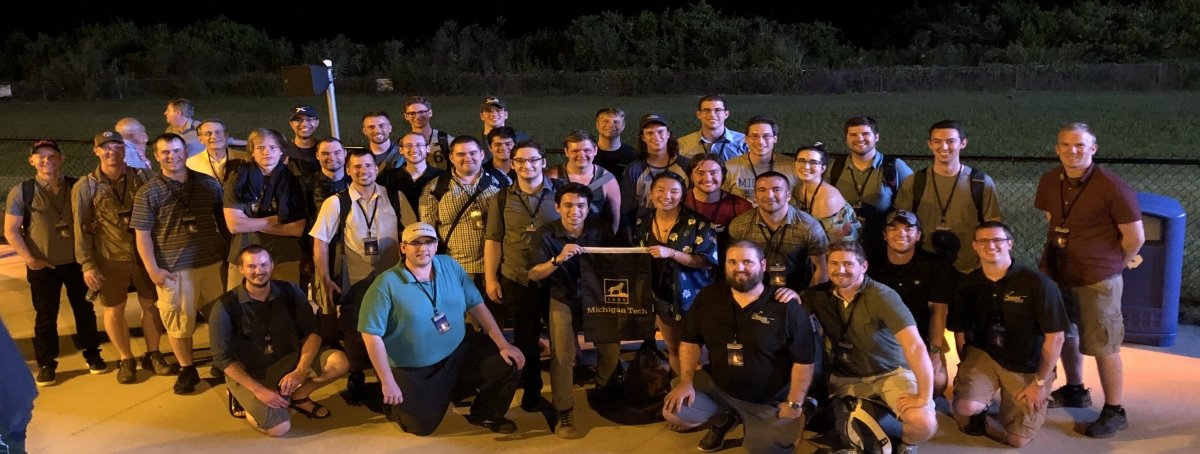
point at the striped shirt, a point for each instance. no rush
(161, 207)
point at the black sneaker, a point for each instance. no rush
(96, 365)
(214, 372)
(154, 361)
(977, 424)
(499, 425)
(1112, 420)
(45, 376)
(356, 387)
(714, 440)
(531, 402)
(187, 381)
(1074, 396)
(126, 371)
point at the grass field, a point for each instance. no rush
(1130, 124)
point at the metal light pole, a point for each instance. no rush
(332, 101)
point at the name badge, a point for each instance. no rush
(476, 219)
(998, 335)
(63, 228)
(370, 246)
(734, 354)
(778, 275)
(842, 352)
(124, 218)
(441, 323)
(1059, 236)
(253, 208)
(189, 224)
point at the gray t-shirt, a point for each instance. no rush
(47, 211)
(512, 224)
(961, 216)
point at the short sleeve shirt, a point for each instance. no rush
(739, 179)
(371, 218)
(511, 225)
(730, 145)
(283, 248)
(954, 193)
(46, 211)
(1098, 203)
(1025, 302)
(466, 243)
(163, 205)
(285, 318)
(924, 279)
(869, 323)
(791, 245)
(400, 310)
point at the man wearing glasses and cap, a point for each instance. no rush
(919, 276)
(414, 326)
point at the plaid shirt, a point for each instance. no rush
(466, 244)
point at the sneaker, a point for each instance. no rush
(96, 365)
(45, 376)
(905, 448)
(154, 361)
(1075, 396)
(356, 388)
(126, 371)
(531, 402)
(714, 440)
(187, 380)
(214, 372)
(499, 425)
(565, 428)
(1112, 420)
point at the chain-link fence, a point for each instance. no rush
(1016, 180)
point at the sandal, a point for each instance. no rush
(235, 408)
(318, 411)
(684, 430)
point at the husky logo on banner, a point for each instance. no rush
(616, 291)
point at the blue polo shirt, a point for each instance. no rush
(398, 310)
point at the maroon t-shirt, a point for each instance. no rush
(721, 212)
(1092, 207)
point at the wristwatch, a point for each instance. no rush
(793, 405)
(935, 349)
(1040, 381)
(554, 260)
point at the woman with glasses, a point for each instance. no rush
(820, 199)
(684, 248)
(580, 168)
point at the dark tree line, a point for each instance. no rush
(222, 56)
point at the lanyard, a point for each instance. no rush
(124, 188)
(54, 198)
(186, 198)
(736, 309)
(808, 205)
(532, 211)
(773, 250)
(853, 306)
(432, 283)
(654, 224)
(859, 188)
(213, 165)
(374, 209)
(770, 166)
(1066, 209)
(938, 194)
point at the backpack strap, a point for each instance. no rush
(337, 245)
(889, 174)
(835, 172)
(27, 188)
(443, 140)
(978, 178)
(918, 188)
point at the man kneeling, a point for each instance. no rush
(264, 338)
(761, 360)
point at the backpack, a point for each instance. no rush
(978, 178)
(644, 380)
(888, 167)
(866, 425)
(27, 190)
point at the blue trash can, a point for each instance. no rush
(1150, 303)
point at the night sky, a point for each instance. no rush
(370, 21)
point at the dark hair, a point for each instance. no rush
(852, 247)
(465, 139)
(861, 120)
(254, 249)
(417, 100)
(762, 120)
(529, 144)
(672, 145)
(503, 132)
(818, 147)
(331, 140)
(747, 244)
(993, 224)
(577, 136)
(712, 98)
(949, 124)
(359, 152)
(774, 174)
(702, 157)
(580, 190)
(167, 137)
(377, 113)
(671, 176)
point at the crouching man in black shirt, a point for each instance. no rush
(761, 360)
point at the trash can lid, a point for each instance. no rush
(1159, 205)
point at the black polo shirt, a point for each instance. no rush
(239, 326)
(1025, 302)
(548, 241)
(773, 335)
(924, 279)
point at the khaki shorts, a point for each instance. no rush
(266, 417)
(979, 377)
(888, 386)
(284, 271)
(118, 277)
(179, 300)
(1095, 312)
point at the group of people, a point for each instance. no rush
(804, 279)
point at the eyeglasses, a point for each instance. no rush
(712, 111)
(419, 113)
(523, 161)
(992, 241)
(809, 163)
(422, 243)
